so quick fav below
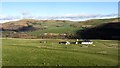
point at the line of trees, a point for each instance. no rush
(29, 36)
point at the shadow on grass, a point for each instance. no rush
(107, 31)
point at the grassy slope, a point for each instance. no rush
(26, 52)
(51, 25)
(66, 28)
(54, 30)
(95, 22)
(51, 28)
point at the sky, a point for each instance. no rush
(57, 8)
(60, 0)
(73, 11)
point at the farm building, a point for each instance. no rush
(77, 42)
(86, 42)
(66, 43)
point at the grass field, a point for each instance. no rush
(61, 30)
(30, 52)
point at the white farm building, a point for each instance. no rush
(86, 42)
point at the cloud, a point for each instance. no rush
(82, 14)
(91, 15)
(24, 12)
(71, 17)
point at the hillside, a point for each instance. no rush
(40, 27)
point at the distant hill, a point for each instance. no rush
(28, 23)
(38, 27)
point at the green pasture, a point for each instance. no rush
(30, 52)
